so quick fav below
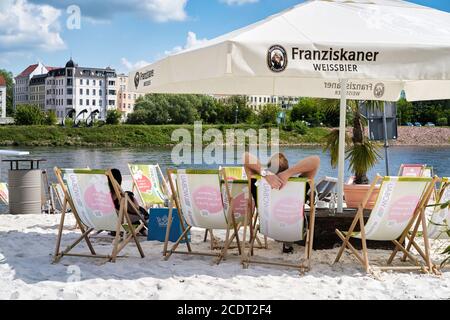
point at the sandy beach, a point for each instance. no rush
(26, 272)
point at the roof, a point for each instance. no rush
(52, 68)
(2, 81)
(29, 70)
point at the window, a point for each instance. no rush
(129, 96)
(81, 102)
(81, 91)
(69, 82)
(100, 103)
(100, 82)
(94, 102)
(70, 73)
(87, 91)
(87, 102)
(69, 102)
(100, 92)
(111, 83)
(87, 82)
(111, 103)
(93, 82)
(81, 81)
(112, 92)
(93, 92)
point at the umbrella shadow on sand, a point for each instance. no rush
(30, 256)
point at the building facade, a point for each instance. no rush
(126, 99)
(22, 83)
(37, 91)
(2, 97)
(81, 90)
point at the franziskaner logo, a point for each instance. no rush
(379, 90)
(137, 78)
(277, 58)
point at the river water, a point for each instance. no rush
(437, 157)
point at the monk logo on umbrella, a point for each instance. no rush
(277, 59)
(379, 90)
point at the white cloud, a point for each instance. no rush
(133, 66)
(191, 42)
(26, 26)
(155, 10)
(238, 2)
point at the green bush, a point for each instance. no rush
(28, 115)
(50, 118)
(113, 117)
(300, 127)
(442, 122)
(68, 122)
(268, 114)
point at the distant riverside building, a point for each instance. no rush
(257, 102)
(2, 97)
(22, 82)
(81, 89)
(126, 99)
(37, 91)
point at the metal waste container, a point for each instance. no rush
(25, 187)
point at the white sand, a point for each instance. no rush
(26, 272)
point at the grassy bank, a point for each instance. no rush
(127, 135)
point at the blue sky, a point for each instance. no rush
(123, 34)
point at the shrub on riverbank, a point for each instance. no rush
(127, 135)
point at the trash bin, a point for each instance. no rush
(25, 187)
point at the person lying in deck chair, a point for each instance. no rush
(277, 173)
(135, 218)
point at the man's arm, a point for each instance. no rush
(253, 167)
(307, 168)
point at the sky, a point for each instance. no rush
(122, 34)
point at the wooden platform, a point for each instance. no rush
(326, 224)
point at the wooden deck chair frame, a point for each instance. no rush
(175, 200)
(261, 245)
(412, 237)
(305, 263)
(165, 187)
(403, 166)
(363, 257)
(123, 217)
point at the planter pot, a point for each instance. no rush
(355, 193)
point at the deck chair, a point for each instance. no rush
(412, 170)
(439, 223)
(4, 193)
(147, 181)
(281, 215)
(197, 195)
(325, 188)
(57, 196)
(88, 194)
(400, 203)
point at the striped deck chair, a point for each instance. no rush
(150, 184)
(4, 193)
(400, 203)
(197, 194)
(282, 217)
(88, 194)
(439, 221)
(412, 170)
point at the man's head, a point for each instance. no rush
(277, 58)
(278, 163)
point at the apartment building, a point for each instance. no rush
(83, 90)
(126, 99)
(37, 91)
(22, 82)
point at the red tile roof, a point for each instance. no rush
(28, 71)
(52, 68)
(2, 81)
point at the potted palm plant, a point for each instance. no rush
(361, 153)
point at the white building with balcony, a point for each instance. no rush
(22, 82)
(82, 91)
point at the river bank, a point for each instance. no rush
(125, 136)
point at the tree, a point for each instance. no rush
(9, 91)
(113, 117)
(309, 110)
(50, 118)
(405, 111)
(269, 114)
(27, 115)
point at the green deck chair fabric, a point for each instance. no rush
(147, 181)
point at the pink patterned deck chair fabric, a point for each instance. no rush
(148, 181)
(396, 205)
(282, 212)
(91, 195)
(4, 193)
(412, 170)
(238, 186)
(200, 198)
